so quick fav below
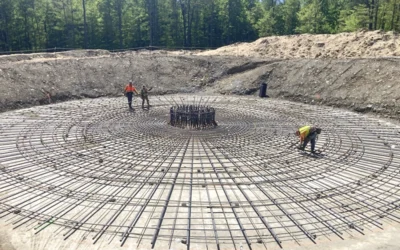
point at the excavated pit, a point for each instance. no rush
(91, 171)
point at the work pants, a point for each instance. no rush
(145, 98)
(129, 95)
(310, 138)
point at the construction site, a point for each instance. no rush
(210, 164)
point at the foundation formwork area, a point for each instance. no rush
(92, 171)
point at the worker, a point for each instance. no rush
(144, 94)
(308, 134)
(129, 90)
(172, 119)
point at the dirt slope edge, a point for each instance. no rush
(361, 44)
(365, 85)
(25, 83)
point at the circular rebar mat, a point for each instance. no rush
(92, 168)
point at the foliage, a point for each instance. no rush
(354, 19)
(119, 24)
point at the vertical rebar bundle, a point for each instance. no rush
(192, 116)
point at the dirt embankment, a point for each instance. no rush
(365, 85)
(365, 44)
(27, 80)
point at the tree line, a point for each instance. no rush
(119, 24)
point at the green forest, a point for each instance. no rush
(33, 25)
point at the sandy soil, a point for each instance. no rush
(360, 84)
(27, 80)
(364, 85)
(345, 45)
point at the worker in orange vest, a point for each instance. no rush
(129, 90)
(308, 134)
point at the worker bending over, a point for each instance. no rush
(308, 134)
(129, 90)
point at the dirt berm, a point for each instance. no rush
(361, 84)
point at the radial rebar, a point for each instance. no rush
(93, 168)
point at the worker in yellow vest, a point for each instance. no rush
(308, 134)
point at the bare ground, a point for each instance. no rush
(361, 84)
(32, 81)
(363, 44)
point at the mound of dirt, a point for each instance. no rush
(364, 44)
(43, 79)
(364, 85)
(22, 58)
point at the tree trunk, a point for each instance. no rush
(183, 10)
(27, 41)
(196, 38)
(151, 24)
(6, 35)
(119, 11)
(230, 28)
(174, 29)
(45, 24)
(153, 21)
(37, 33)
(32, 18)
(315, 18)
(382, 23)
(5, 32)
(65, 29)
(211, 27)
(189, 25)
(393, 14)
(397, 20)
(85, 39)
(72, 24)
(140, 33)
(376, 14)
(371, 7)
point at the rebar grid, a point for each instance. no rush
(94, 168)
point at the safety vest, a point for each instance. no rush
(129, 89)
(304, 131)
